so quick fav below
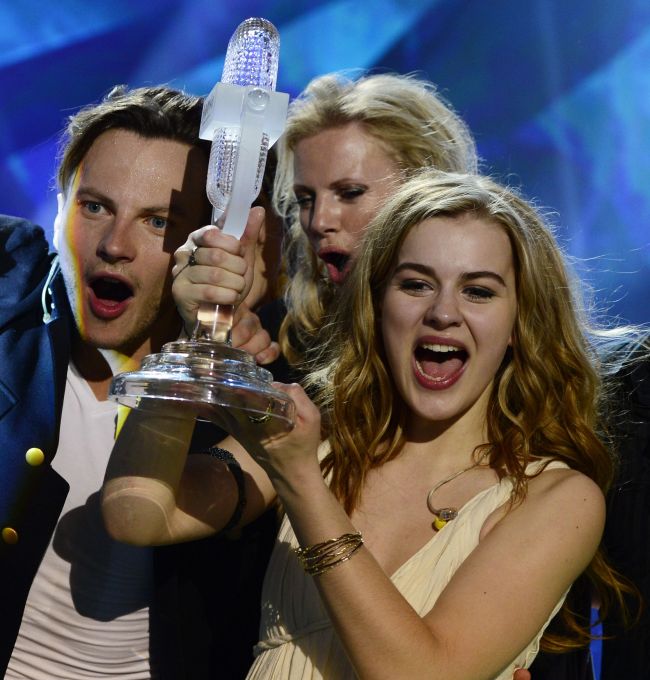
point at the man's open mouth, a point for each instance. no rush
(110, 289)
(109, 296)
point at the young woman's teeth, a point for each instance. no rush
(442, 348)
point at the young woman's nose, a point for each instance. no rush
(444, 310)
(325, 216)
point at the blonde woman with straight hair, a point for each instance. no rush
(347, 145)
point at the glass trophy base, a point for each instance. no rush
(203, 375)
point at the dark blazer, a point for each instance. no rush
(33, 369)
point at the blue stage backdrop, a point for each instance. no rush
(557, 94)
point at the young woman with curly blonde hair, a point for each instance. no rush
(437, 514)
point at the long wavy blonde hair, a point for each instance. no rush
(414, 126)
(546, 397)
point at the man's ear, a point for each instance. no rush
(58, 220)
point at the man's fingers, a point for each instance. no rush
(268, 355)
(253, 225)
(213, 237)
(204, 240)
(211, 266)
(248, 334)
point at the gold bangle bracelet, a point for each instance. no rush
(321, 557)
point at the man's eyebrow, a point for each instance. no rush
(465, 276)
(175, 208)
(89, 190)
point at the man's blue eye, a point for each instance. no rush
(158, 222)
(93, 207)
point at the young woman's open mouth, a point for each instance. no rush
(438, 365)
(109, 295)
(338, 263)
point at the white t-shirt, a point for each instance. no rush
(87, 614)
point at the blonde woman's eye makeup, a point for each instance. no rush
(304, 200)
(478, 293)
(350, 193)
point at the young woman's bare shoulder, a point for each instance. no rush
(569, 497)
(560, 497)
(567, 484)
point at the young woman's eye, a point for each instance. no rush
(478, 293)
(350, 193)
(304, 201)
(158, 222)
(414, 286)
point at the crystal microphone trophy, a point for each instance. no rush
(243, 116)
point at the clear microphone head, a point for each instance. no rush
(251, 60)
(253, 54)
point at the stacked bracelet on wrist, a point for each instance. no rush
(321, 557)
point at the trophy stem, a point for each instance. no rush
(214, 322)
(205, 373)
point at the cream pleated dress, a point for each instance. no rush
(297, 638)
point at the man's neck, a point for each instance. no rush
(98, 366)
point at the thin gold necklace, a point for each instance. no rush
(444, 515)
